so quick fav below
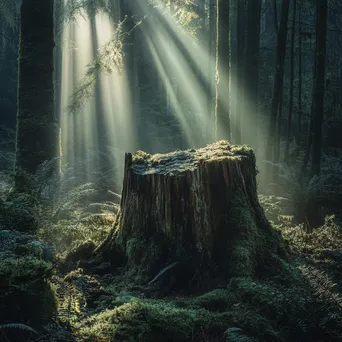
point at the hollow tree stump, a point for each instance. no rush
(193, 215)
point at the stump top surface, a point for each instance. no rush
(177, 162)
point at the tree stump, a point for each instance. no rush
(193, 217)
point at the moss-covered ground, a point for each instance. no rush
(48, 293)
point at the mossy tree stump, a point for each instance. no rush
(196, 211)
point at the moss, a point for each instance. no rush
(247, 309)
(18, 212)
(296, 307)
(181, 161)
(23, 270)
(24, 290)
(83, 252)
(219, 300)
(146, 321)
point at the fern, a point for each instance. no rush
(72, 197)
(237, 335)
(18, 326)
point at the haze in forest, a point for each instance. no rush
(110, 117)
(170, 170)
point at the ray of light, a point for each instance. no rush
(189, 62)
(107, 124)
(98, 136)
(203, 60)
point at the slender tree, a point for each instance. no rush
(292, 60)
(204, 41)
(37, 129)
(278, 79)
(275, 15)
(130, 60)
(252, 66)
(222, 122)
(211, 70)
(240, 48)
(299, 112)
(319, 83)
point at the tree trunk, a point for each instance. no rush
(58, 33)
(279, 76)
(193, 214)
(211, 69)
(319, 82)
(37, 129)
(299, 115)
(252, 68)
(289, 118)
(240, 48)
(275, 15)
(102, 142)
(130, 64)
(222, 125)
(204, 42)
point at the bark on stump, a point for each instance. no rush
(193, 216)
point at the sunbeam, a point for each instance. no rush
(113, 120)
(97, 137)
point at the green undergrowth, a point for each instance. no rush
(278, 210)
(297, 301)
(67, 235)
(26, 296)
(288, 301)
(326, 237)
(306, 309)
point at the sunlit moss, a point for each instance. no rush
(146, 321)
(179, 161)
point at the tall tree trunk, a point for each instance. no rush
(37, 129)
(130, 62)
(319, 83)
(275, 15)
(222, 128)
(299, 114)
(204, 42)
(240, 48)
(100, 121)
(289, 119)
(252, 68)
(211, 69)
(279, 76)
(58, 35)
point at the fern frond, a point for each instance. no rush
(18, 326)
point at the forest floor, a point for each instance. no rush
(46, 293)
